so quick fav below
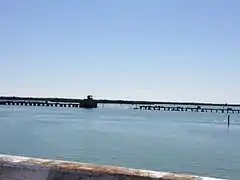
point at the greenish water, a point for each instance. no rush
(198, 143)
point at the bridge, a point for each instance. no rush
(89, 102)
(187, 109)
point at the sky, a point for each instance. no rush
(163, 50)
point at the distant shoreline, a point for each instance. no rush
(107, 101)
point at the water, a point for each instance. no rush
(198, 143)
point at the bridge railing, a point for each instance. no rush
(19, 168)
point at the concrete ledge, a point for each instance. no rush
(25, 168)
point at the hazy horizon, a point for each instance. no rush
(184, 51)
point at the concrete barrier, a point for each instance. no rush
(25, 168)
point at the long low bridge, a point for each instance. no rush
(107, 101)
(187, 109)
(37, 103)
(54, 102)
(143, 105)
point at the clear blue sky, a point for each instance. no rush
(170, 50)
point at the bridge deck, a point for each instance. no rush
(19, 168)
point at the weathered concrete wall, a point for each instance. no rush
(24, 168)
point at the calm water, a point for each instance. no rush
(198, 143)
